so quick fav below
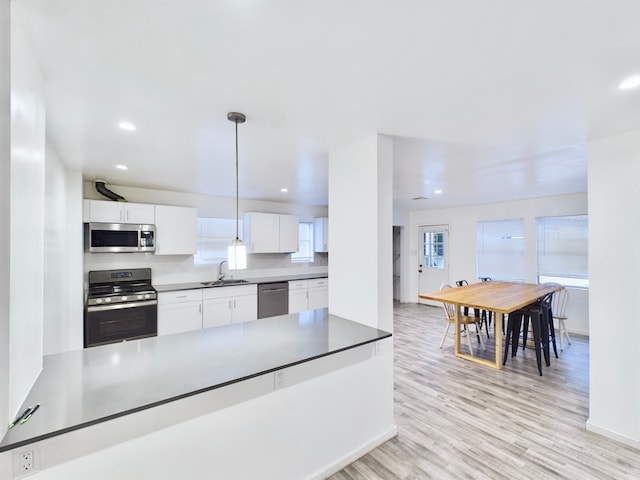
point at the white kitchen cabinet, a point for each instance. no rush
(176, 230)
(321, 234)
(118, 212)
(318, 293)
(289, 233)
(298, 296)
(225, 305)
(179, 311)
(270, 232)
(308, 294)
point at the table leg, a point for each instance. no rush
(497, 333)
(456, 349)
(496, 362)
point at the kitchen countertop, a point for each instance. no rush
(250, 281)
(84, 387)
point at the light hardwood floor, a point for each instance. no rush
(457, 419)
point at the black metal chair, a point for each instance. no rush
(540, 316)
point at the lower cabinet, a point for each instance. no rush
(308, 294)
(179, 311)
(222, 306)
(298, 296)
(318, 293)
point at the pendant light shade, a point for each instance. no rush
(237, 251)
(237, 255)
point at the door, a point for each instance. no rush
(179, 317)
(433, 259)
(245, 308)
(216, 312)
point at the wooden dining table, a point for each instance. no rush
(498, 297)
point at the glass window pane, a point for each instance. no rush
(305, 244)
(433, 253)
(214, 235)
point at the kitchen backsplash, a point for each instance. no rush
(181, 269)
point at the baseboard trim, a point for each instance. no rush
(612, 435)
(354, 455)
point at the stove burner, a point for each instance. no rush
(115, 286)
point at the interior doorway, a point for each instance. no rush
(397, 263)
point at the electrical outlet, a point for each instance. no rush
(280, 381)
(25, 463)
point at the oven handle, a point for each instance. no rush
(116, 306)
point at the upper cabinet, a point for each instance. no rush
(176, 230)
(321, 234)
(118, 212)
(270, 232)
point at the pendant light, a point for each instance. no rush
(237, 251)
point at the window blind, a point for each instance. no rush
(500, 249)
(562, 245)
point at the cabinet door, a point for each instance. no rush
(217, 311)
(289, 233)
(141, 213)
(245, 308)
(176, 230)
(179, 317)
(103, 212)
(318, 293)
(262, 232)
(321, 235)
(298, 300)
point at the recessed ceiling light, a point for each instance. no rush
(122, 167)
(128, 126)
(630, 82)
(284, 190)
(437, 192)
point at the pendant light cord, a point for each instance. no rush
(237, 188)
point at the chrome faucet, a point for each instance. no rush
(220, 274)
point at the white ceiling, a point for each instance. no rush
(487, 100)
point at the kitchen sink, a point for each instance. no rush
(222, 283)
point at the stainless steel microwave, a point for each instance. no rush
(119, 237)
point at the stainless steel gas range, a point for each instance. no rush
(121, 305)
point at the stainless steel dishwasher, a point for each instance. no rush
(273, 299)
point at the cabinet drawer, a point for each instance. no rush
(235, 291)
(179, 296)
(298, 284)
(318, 282)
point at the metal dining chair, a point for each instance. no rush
(485, 317)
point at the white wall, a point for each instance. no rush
(5, 203)
(614, 303)
(360, 232)
(63, 291)
(27, 218)
(180, 268)
(462, 243)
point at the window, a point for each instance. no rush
(500, 250)
(433, 250)
(214, 235)
(563, 250)
(305, 244)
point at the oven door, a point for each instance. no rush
(123, 321)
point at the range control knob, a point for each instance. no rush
(98, 300)
(107, 300)
(124, 298)
(139, 297)
(147, 295)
